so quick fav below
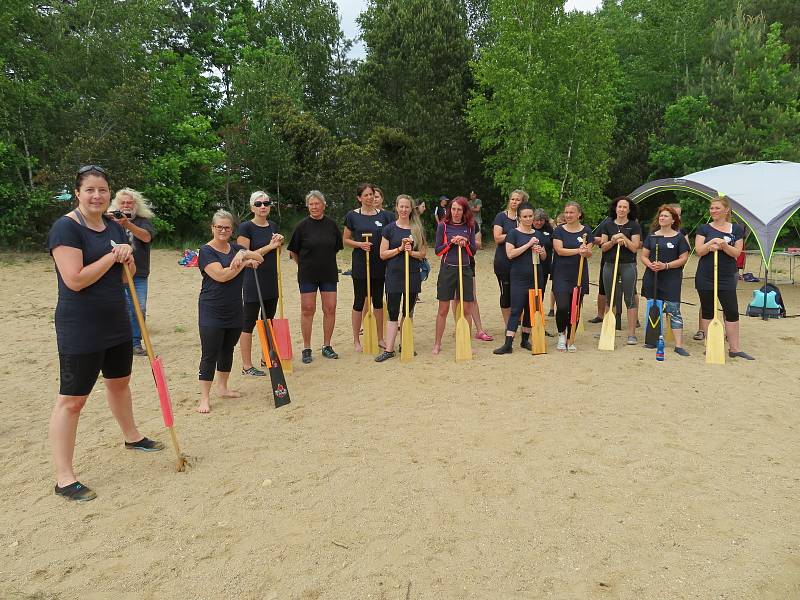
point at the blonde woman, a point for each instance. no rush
(406, 234)
(130, 209)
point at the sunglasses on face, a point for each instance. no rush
(260, 203)
(87, 168)
(222, 227)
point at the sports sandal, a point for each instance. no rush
(77, 492)
(145, 445)
(328, 352)
(385, 355)
(699, 336)
(254, 372)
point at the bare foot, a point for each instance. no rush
(229, 393)
(204, 407)
(437, 348)
(358, 347)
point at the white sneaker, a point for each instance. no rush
(561, 346)
(572, 348)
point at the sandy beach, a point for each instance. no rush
(576, 476)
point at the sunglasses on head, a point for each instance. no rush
(260, 203)
(87, 168)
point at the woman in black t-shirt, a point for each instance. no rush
(727, 240)
(366, 220)
(314, 244)
(219, 311)
(622, 231)
(505, 221)
(93, 332)
(669, 244)
(260, 235)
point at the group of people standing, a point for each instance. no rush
(97, 330)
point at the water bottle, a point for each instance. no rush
(660, 348)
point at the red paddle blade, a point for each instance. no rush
(283, 339)
(163, 391)
(574, 308)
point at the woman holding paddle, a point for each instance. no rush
(620, 238)
(665, 252)
(362, 232)
(571, 241)
(726, 239)
(504, 222)
(314, 244)
(406, 234)
(220, 313)
(259, 235)
(521, 243)
(457, 231)
(93, 332)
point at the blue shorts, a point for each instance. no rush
(311, 287)
(673, 309)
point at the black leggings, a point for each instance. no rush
(728, 300)
(216, 347)
(505, 291)
(395, 304)
(520, 307)
(360, 292)
(563, 307)
(251, 313)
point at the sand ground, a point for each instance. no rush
(589, 475)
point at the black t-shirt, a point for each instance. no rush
(359, 224)
(669, 281)
(396, 266)
(545, 237)
(565, 277)
(522, 265)
(440, 212)
(95, 318)
(141, 250)
(704, 277)
(502, 266)
(316, 242)
(630, 229)
(220, 303)
(268, 270)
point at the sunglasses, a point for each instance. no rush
(87, 168)
(260, 203)
(222, 227)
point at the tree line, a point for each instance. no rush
(199, 102)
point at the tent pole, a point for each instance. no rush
(766, 280)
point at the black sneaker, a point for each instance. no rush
(77, 492)
(328, 352)
(307, 356)
(385, 355)
(145, 445)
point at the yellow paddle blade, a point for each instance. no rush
(463, 340)
(581, 327)
(286, 363)
(715, 343)
(608, 331)
(669, 337)
(538, 341)
(407, 351)
(370, 333)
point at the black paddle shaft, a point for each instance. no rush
(280, 391)
(654, 315)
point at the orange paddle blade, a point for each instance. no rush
(262, 338)
(163, 391)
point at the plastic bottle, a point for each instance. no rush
(660, 348)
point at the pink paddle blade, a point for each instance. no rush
(283, 339)
(163, 390)
(573, 312)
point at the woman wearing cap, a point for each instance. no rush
(93, 332)
(135, 219)
(260, 235)
(219, 307)
(314, 244)
(456, 231)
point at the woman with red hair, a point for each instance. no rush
(456, 231)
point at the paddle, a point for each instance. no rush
(281, 325)
(608, 329)
(577, 300)
(654, 325)
(280, 392)
(715, 338)
(463, 341)
(370, 325)
(407, 331)
(536, 310)
(157, 367)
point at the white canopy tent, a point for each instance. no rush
(763, 194)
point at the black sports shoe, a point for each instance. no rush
(145, 445)
(307, 356)
(328, 352)
(77, 492)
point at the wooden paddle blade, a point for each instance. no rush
(608, 332)
(715, 343)
(463, 340)
(407, 331)
(581, 326)
(370, 326)
(538, 340)
(653, 325)
(163, 391)
(669, 337)
(280, 391)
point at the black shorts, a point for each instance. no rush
(447, 284)
(79, 371)
(251, 310)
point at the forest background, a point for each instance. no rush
(199, 102)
